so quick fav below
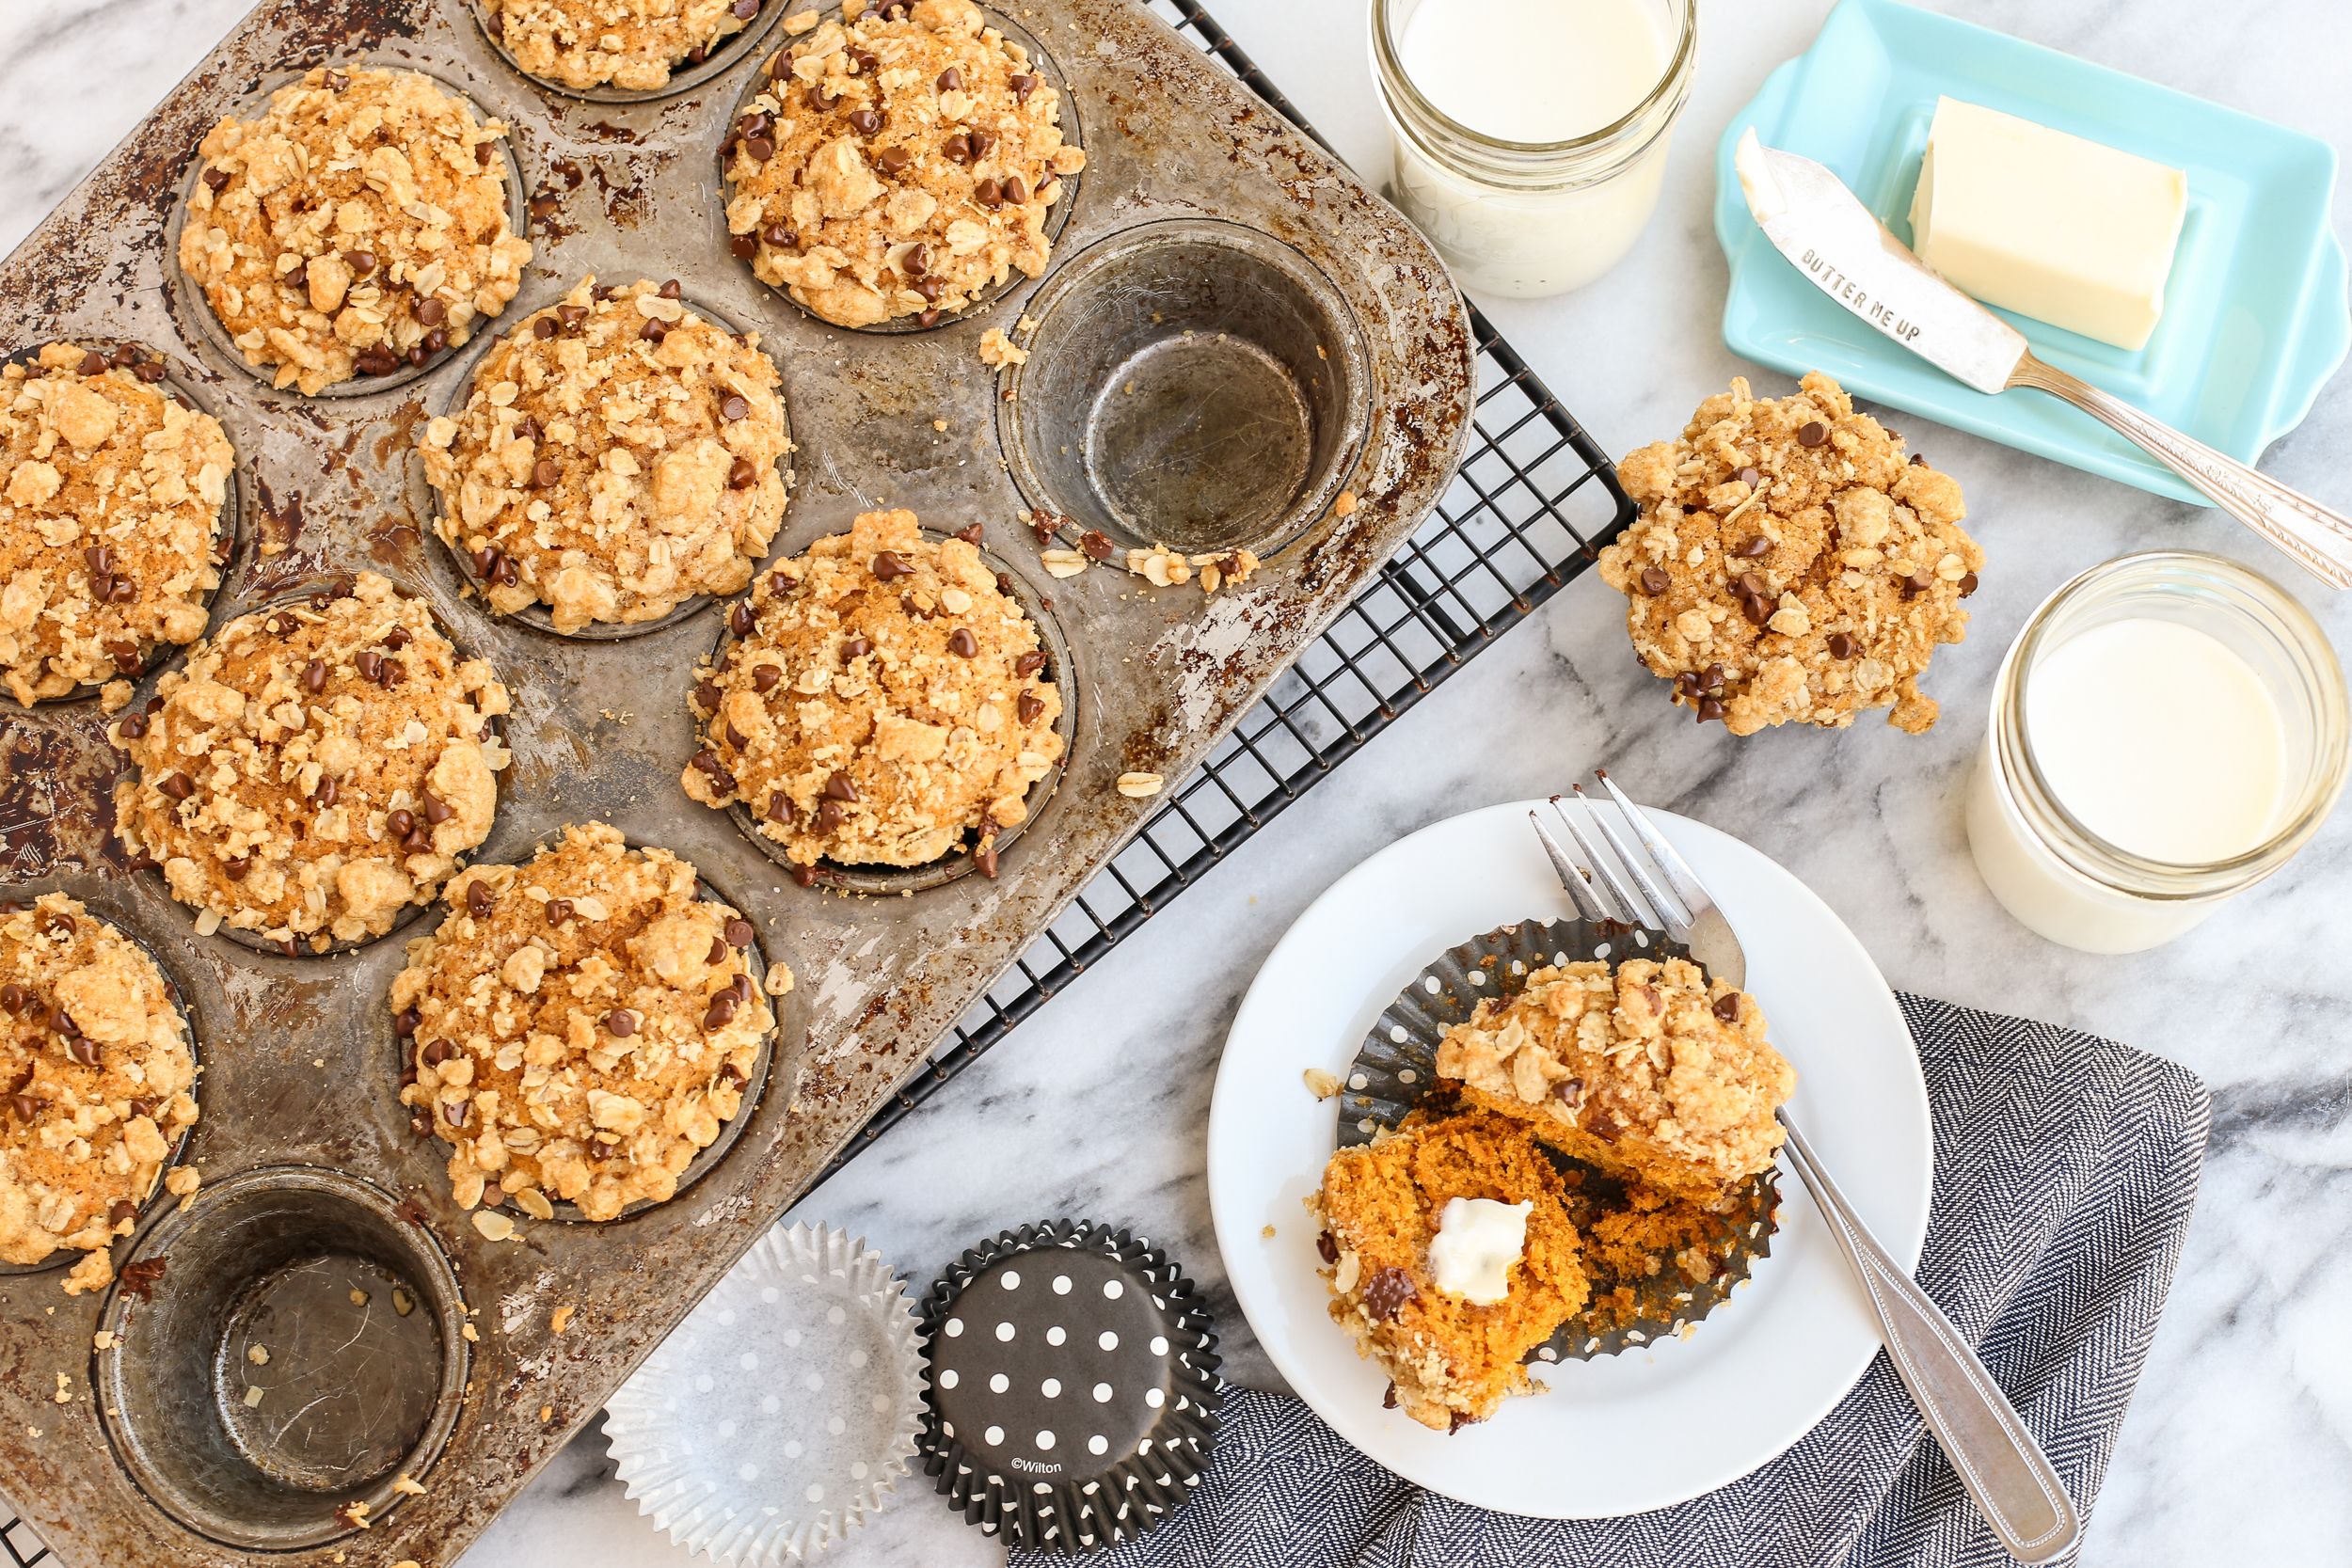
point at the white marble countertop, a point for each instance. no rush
(2239, 1444)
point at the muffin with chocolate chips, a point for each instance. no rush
(1789, 565)
(897, 163)
(96, 1074)
(883, 702)
(356, 225)
(314, 771)
(579, 1027)
(111, 520)
(616, 456)
(635, 44)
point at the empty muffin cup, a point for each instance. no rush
(1193, 384)
(287, 1359)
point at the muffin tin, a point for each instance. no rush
(1256, 249)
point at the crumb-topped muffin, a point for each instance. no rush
(897, 163)
(96, 1073)
(633, 44)
(1648, 1071)
(616, 458)
(1384, 1208)
(580, 1026)
(883, 699)
(314, 769)
(356, 225)
(111, 494)
(1789, 565)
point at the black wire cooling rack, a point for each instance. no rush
(1535, 499)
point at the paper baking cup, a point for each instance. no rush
(1395, 1073)
(782, 1411)
(1073, 1395)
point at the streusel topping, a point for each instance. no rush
(96, 1073)
(111, 494)
(882, 699)
(633, 44)
(581, 1026)
(314, 769)
(1647, 1070)
(359, 224)
(616, 458)
(1789, 565)
(1453, 1360)
(898, 164)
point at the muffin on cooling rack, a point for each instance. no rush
(96, 1071)
(897, 163)
(316, 770)
(359, 224)
(1450, 1258)
(883, 702)
(580, 1027)
(616, 456)
(636, 45)
(111, 519)
(1647, 1071)
(1789, 565)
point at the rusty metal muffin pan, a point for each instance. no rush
(1292, 304)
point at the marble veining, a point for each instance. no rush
(2240, 1441)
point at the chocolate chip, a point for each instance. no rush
(734, 408)
(1812, 432)
(971, 536)
(743, 246)
(82, 1049)
(479, 900)
(950, 80)
(1841, 644)
(361, 263)
(958, 149)
(437, 1052)
(431, 312)
(888, 567)
(314, 676)
(1728, 1007)
(146, 1108)
(739, 933)
(739, 619)
(838, 786)
(400, 822)
(1967, 584)
(1016, 194)
(1023, 84)
(778, 235)
(621, 1022)
(744, 10)
(707, 696)
(603, 1147)
(544, 328)
(780, 807)
(150, 373)
(1655, 581)
(984, 856)
(989, 193)
(734, 738)
(376, 363)
(1712, 677)
(459, 1114)
(1388, 1397)
(917, 261)
(718, 951)
(12, 997)
(719, 1013)
(1325, 1248)
(217, 179)
(26, 1106)
(571, 315)
(370, 666)
(1710, 707)
(759, 149)
(732, 1076)
(100, 559)
(829, 816)
(324, 796)
(981, 142)
(1096, 545)
(926, 318)
(743, 475)
(1916, 584)
(559, 911)
(404, 1022)
(121, 1212)
(436, 811)
(1385, 1293)
(672, 288)
(1919, 460)
(179, 786)
(893, 159)
(1028, 664)
(396, 639)
(866, 121)
(1570, 1091)
(1751, 548)
(654, 331)
(1028, 706)
(963, 643)
(765, 677)
(418, 842)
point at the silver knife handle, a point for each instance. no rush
(2011, 1482)
(2319, 538)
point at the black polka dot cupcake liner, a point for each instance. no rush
(1070, 1386)
(1395, 1073)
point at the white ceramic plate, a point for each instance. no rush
(1619, 1434)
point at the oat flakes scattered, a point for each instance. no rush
(631, 44)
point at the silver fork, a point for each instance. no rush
(1640, 881)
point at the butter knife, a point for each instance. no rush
(1815, 221)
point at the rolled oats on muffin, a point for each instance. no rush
(1647, 1070)
(581, 1026)
(897, 163)
(883, 702)
(616, 458)
(96, 1079)
(111, 520)
(634, 45)
(314, 771)
(1789, 565)
(359, 224)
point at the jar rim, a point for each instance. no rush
(2081, 848)
(1670, 82)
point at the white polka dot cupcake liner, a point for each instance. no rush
(782, 1410)
(1395, 1073)
(1072, 1388)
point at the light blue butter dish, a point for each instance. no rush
(2254, 320)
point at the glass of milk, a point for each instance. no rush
(1530, 134)
(2167, 730)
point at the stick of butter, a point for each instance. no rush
(2066, 231)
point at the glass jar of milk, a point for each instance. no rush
(2167, 730)
(1530, 134)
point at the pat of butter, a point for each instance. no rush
(1477, 1241)
(2047, 225)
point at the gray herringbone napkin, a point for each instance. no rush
(2066, 1166)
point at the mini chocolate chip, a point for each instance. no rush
(989, 193)
(764, 676)
(27, 1107)
(1096, 543)
(544, 474)
(929, 287)
(314, 676)
(1016, 194)
(1028, 664)
(734, 408)
(559, 911)
(459, 1114)
(324, 796)
(1655, 581)
(866, 121)
(981, 142)
(1916, 584)
(829, 815)
(437, 810)
(888, 567)
(1812, 432)
(838, 786)
(370, 666)
(743, 246)
(734, 738)
(743, 475)
(431, 312)
(963, 643)
(134, 727)
(654, 331)
(601, 1149)
(405, 1021)
(780, 807)
(571, 315)
(731, 1075)
(479, 900)
(545, 329)
(949, 80)
(376, 363)
(1023, 84)
(718, 951)
(121, 1212)
(672, 288)
(1919, 460)
(12, 997)
(216, 178)
(396, 639)
(1325, 1248)
(1710, 707)
(759, 149)
(984, 856)
(99, 559)
(926, 318)
(620, 1022)
(1728, 1007)
(720, 1013)
(893, 159)
(739, 619)
(144, 1107)
(739, 933)
(917, 261)
(958, 149)
(1569, 1090)
(971, 536)
(778, 235)
(400, 822)
(437, 1052)
(1751, 548)
(1840, 646)
(82, 1049)
(179, 786)
(360, 261)
(1967, 584)
(1385, 1293)
(1028, 706)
